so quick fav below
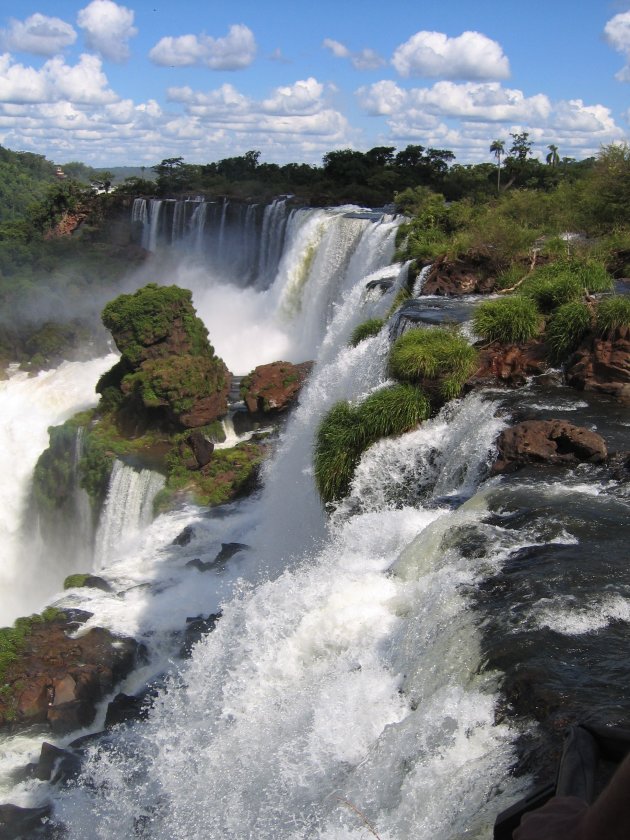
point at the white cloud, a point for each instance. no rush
(302, 97)
(108, 28)
(365, 59)
(471, 55)
(617, 33)
(84, 82)
(38, 34)
(233, 52)
(382, 98)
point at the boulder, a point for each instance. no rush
(457, 277)
(57, 680)
(16, 822)
(547, 442)
(602, 365)
(510, 364)
(196, 628)
(273, 388)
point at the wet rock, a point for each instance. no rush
(602, 365)
(57, 680)
(16, 823)
(547, 442)
(229, 550)
(619, 464)
(127, 707)
(458, 277)
(196, 628)
(56, 764)
(202, 448)
(510, 364)
(273, 388)
(185, 536)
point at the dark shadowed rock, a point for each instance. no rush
(185, 536)
(56, 764)
(202, 448)
(547, 442)
(229, 550)
(128, 707)
(16, 823)
(602, 365)
(196, 628)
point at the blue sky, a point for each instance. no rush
(112, 84)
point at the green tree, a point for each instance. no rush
(553, 158)
(497, 148)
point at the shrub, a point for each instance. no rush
(565, 280)
(346, 432)
(439, 359)
(566, 328)
(366, 330)
(612, 313)
(510, 320)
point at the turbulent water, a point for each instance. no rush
(358, 680)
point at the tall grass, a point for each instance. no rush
(567, 327)
(437, 358)
(510, 320)
(366, 330)
(612, 313)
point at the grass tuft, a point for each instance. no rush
(612, 313)
(510, 320)
(365, 330)
(567, 327)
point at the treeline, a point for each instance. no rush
(371, 178)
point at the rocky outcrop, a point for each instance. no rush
(510, 364)
(57, 680)
(602, 365)
(273, 388)
(547, 442)
(457, 277)
(168, 375)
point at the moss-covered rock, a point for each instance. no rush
(273, 388)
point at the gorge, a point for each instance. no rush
(400, 663)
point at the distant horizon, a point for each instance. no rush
(112, 84)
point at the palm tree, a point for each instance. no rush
(553, 159)
(497, 148)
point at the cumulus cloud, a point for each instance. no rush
(38, 34)
(617, 33)
(84, 82)
(471, 55)
(365, 59)
(233, 52)
(108, 28)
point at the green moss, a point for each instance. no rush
(510, 320)
(365, 330)
(566, 328)
(439, 359)
(346, 432)
(612, 313)
(76, 581)
(146, 317)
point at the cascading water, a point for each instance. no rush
(127, 511)
(352, 684)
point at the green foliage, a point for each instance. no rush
(565, 280)
(76, 581)
(346, 432)
(566, 328)
(365, 330)
(510, 320)
(146, 317)
(613, 313)
(439, 359)
(400, 297)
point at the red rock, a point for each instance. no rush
(458, 277)
(602, 365)
(274, 387)
(547, 442)
(510, 364)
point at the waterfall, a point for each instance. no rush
(127, 511)
(29, 574)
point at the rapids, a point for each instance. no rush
(359, 678)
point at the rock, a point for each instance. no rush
(510, 364)
(275, 387)
(89, 581)
(547, 442)
(16, 823)
(458, 277)
(602, 365)
(202, 447)
(56, 764)
(196, 628)
(229, 550)
(127, 707)
(58, 680)
(619, 464)
(185, 536)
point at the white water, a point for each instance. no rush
(29, 406)
(341, 685)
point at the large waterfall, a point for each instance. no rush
(352, 685)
